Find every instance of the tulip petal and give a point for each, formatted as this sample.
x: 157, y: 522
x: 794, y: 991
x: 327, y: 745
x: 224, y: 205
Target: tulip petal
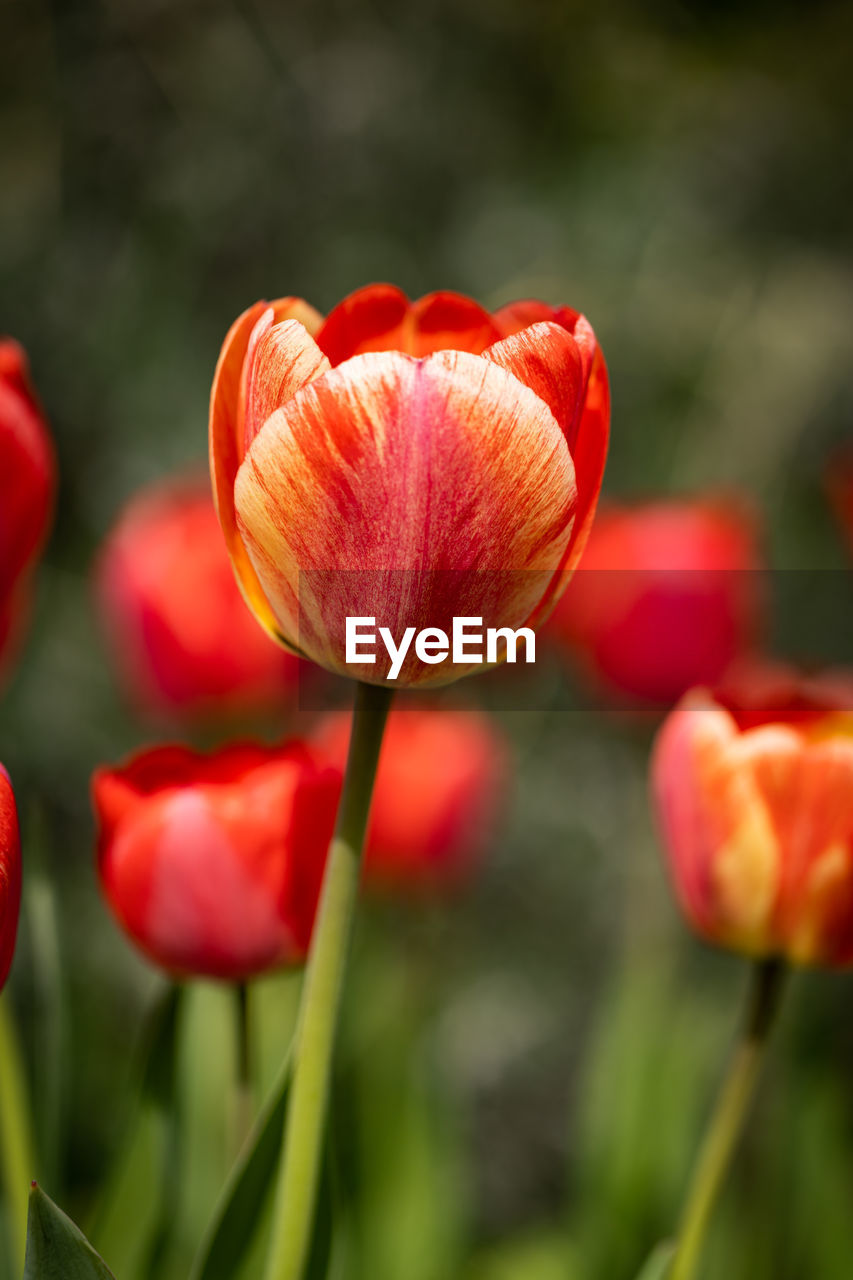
x: 449, y: 321
x: 545, y: 358
x: 390, y: 464
x: 227, y: 436
x: 27, y: 468
x: 10, y: 874
x: 723, y: 852
x: 282, y: 358
x: 381, y: 318
x: 371, y: 319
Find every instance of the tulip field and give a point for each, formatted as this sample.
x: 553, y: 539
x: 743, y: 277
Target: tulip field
x: 426, y: 642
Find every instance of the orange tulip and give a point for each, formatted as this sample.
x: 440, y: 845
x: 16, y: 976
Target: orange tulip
x: 10, y: 875
x: 437, y: 794
x: 409, y: 461
x: 753, y: 788
x: 182, y: 639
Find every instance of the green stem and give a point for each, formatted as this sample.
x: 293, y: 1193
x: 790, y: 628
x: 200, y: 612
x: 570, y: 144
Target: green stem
x: 321, y: 995
x: 16, y: 1150
x: 243, y: 1085
x: 728, y: 1117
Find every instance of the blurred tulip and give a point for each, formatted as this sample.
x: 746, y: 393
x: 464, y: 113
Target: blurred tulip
x: 753, y: 788
x: 438, y: 789
x: 27, y: 483
x: 409, y: 461
x: 182, y: 638
x: 10, y: 875
x: 213, y: 863
x: 667, y: 596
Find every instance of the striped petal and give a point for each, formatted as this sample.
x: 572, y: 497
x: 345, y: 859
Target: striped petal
x: 388, y: 470
x: 281, y: 358
x: 227, y: 434
x: 545, y: 358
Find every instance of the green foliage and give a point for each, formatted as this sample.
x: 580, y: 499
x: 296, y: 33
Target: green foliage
x: 56, y: 1249
x: 134, y: 1217
x: 240, y: 1222
x: 659, y: 1263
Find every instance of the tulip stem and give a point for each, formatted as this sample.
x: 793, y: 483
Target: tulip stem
x: 728, y: 1116
x: 16, y: 1149
x: 243, y: 1102
x: 321, y: 995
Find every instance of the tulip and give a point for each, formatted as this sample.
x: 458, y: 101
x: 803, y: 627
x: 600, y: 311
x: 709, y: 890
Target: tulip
x: 667, y: 597
x: 212, y: 864
x: 182, y: 639
x: 753, y: 788
x: 409, y: 461
x: 27, y: 482
x: 10, y: 875
x: 436, y: 798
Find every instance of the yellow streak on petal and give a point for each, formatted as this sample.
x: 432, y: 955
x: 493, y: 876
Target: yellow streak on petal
x: 826, y: 889
x: 745, y: 877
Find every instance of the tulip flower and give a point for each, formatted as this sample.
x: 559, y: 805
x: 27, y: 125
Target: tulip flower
x: 413, y: 462
x: 212, y: 864
x: 667, y: 597
x: 436, y: 798
x: 27, y: 482
x: 10, y: 875
x: 753, y: 788
x: 411, y: 465
x: 182, y: 639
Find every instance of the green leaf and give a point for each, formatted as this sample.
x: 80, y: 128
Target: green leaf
x: 235, y: 1242
x: 56, y: 1249
x: 247, y: 1196
x: 132, y: 1220
x: 658, y: 1265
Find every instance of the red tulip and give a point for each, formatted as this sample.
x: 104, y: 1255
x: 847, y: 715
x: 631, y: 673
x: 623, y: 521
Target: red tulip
x: 27, y: 481
x: 667, y: 597
x: 754, y: 795
x: 10, y: 875
x: 213, y: 863
x: 437, y: 795
x: 182, y: 638
x: 409, y: 461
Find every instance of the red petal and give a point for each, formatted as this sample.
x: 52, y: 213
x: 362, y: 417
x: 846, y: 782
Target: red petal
x: 27, y: 468
x: 10, y: 874
x: 449, y: 321
x: 545, y: 358
x: 381, y: 318
x: 371, y: 319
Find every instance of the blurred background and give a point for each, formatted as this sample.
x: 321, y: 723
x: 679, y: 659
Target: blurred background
x: 526, y: 1064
